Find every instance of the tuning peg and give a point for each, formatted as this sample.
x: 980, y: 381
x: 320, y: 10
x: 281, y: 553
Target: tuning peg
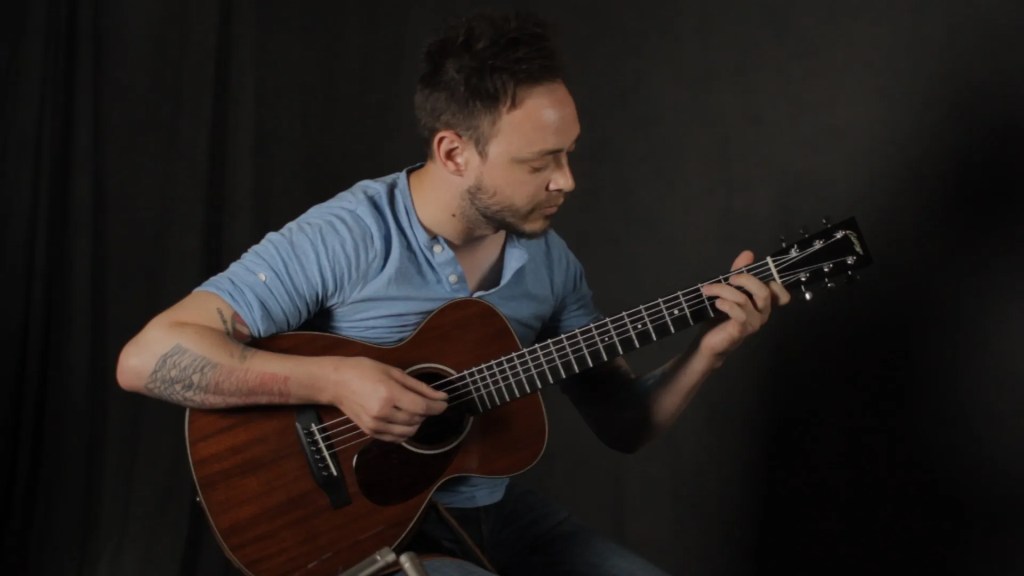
x: 803, y: 231
x: 829, y: 283
x: 826, y: 222
x: 782, y: 240
x: 806, y: 293
x: 851, y: 278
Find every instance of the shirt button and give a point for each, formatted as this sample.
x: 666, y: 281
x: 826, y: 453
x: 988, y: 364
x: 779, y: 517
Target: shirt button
x: 453, y: 278
x: 438, y: 248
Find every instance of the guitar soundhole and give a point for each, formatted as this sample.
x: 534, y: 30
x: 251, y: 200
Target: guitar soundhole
x: 441, y: 432
x: 390, y: 474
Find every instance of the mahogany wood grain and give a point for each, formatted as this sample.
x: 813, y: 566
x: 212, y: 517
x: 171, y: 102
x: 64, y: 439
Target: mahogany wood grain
x: 256, y: 486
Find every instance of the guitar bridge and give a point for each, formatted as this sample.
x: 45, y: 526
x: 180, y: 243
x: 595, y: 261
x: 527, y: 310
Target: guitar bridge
x: 322, y: 464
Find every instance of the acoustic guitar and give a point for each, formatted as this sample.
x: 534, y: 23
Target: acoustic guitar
x: 302, y: 490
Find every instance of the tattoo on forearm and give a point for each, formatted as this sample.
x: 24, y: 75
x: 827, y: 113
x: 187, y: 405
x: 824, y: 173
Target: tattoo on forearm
x: 238, y: 331
x: 190, y: 379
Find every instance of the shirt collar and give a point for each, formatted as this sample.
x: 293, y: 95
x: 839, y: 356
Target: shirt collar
x: 515, y: 252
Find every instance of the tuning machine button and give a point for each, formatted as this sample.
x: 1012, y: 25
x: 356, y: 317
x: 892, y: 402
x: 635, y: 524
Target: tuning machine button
x: 806, y: 293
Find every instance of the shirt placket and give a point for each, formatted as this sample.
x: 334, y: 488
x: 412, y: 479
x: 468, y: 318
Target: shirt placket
x: 448, y: 267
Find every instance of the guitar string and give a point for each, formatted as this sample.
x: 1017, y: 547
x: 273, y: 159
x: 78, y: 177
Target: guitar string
x: 332, y: 441
x: 547, y: 358
x: 365, y: 437
x: 561, y: 353
x: 569, y: 351
x: 612, y: 328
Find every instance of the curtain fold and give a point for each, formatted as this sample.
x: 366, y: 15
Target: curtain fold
x: 50, y: 244
x: 97, y: 484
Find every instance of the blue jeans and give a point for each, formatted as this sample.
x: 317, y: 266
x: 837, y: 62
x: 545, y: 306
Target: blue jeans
x: 523, y: 534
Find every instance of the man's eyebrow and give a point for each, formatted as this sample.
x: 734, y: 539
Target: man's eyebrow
x: 547, y: 152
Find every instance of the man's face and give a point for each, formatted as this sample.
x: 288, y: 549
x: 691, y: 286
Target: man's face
x: 525, y: 176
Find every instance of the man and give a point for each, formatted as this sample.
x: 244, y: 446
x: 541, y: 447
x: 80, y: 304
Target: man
x: 374, y: 261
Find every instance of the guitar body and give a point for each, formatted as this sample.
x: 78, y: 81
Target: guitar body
x: 257, y: 486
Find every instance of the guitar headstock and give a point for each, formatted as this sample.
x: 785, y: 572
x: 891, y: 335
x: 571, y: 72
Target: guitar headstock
x: 833, y: 253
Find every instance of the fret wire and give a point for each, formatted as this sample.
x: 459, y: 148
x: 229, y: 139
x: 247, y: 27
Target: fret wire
x: 572, y: 355
x: 583, y: 345
x: 668, y: 320
x: 483, y: 391
x: 593, y: 328
x: 629, y: 325
x: 520, y: 373
x: 534, y: 372
x: 685, y: 307
x: 476, y: 396
x: 615, y: 336
x: 557, y: 361
x: 706, y: 302
x: 494, y: 388
x: 544, y: 364
x: 650, y: 326
x: 511, y: 378
x: 501, y: 382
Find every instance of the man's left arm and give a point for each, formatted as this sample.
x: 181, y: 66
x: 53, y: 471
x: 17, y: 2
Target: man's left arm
x: 626, y: 412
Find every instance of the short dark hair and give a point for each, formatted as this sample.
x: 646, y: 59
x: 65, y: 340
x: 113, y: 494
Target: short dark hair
x: 472, y: 71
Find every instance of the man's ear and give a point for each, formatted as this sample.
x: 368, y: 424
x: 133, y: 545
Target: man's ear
x: 453, y: 152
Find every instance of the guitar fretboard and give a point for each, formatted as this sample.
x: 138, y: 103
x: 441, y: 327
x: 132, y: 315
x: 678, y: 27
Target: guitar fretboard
x: 551, y: 361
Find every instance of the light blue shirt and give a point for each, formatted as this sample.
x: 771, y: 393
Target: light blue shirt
x: 361, y: 265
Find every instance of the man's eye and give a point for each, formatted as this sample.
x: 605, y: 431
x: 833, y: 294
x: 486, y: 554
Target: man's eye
x: 534, y: 169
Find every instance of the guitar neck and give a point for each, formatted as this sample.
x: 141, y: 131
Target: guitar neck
x: 816, y: 258
x: 551, y: 361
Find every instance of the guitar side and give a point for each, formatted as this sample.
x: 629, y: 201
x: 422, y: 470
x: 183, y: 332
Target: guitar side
x: 256, y: 484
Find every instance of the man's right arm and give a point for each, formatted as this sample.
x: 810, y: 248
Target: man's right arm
x: 195, y: 354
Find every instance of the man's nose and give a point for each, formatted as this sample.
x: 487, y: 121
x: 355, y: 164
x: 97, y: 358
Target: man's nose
x: 562, y: 180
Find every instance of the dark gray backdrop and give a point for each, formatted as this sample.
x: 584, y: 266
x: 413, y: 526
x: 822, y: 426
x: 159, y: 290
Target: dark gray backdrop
x: 146, y: 145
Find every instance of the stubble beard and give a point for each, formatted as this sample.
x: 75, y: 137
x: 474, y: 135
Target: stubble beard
x: 483, y: 212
